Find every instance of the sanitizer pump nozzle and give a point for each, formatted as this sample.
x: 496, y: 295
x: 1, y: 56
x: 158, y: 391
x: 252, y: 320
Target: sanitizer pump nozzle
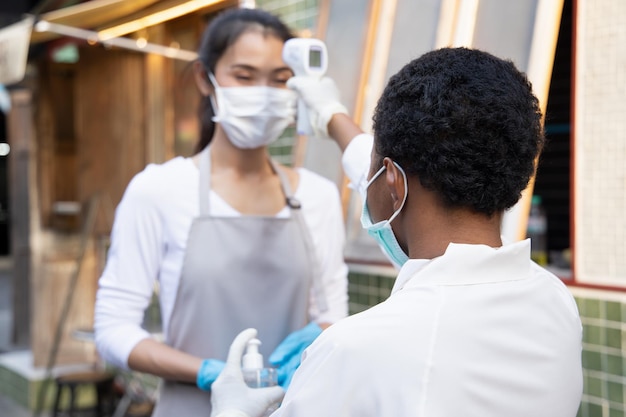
x: 255, y: 375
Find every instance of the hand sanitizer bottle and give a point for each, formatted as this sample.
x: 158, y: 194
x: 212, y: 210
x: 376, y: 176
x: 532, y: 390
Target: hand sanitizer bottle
x: 255, y: 375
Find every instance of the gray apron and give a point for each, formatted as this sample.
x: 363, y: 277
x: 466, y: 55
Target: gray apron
x: 238, y: 272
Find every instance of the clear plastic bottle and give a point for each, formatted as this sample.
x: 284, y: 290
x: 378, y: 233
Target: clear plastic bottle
x: 254, y: 373
x: 537, y: 232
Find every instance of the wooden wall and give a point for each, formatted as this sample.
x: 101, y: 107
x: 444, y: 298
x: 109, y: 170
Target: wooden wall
x: 98, y: 122
x: 110, y: 123
x: 91, y: 140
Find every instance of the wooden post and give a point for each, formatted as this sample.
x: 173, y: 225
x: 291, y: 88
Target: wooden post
x: 21, y: 182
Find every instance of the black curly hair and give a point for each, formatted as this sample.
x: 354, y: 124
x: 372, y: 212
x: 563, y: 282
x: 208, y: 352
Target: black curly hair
x: 464, y: 122
x: 221, y: 33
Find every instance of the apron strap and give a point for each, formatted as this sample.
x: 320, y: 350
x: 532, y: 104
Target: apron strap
x: 294, y: 204
x: 204, y: 166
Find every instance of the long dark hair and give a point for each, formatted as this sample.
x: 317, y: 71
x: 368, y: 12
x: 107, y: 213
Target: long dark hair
x: 221, y: 33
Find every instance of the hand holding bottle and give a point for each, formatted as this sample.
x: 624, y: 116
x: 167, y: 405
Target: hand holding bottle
x: 231, y: 397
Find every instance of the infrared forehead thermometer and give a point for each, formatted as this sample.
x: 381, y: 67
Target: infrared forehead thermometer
x: 307, y: 57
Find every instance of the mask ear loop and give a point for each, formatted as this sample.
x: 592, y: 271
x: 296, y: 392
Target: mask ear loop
x: 212, y: 79
x: 406, y: 193
x: 376, y: 175
x: 213, y: 82
x: 406, y: 187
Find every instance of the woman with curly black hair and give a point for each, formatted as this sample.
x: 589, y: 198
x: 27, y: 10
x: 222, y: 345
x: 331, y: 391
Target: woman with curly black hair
x: 473, y: 327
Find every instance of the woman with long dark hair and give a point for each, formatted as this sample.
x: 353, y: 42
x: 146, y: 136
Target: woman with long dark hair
x: 233, y: 238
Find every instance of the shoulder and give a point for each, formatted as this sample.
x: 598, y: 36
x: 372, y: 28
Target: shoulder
x: 355, y: 335
x: 315, y: 186
x: 312, y: 177
x: 155, y: 181
x: 362, y: 345
x: 558, y: 287
x: 161, y: 190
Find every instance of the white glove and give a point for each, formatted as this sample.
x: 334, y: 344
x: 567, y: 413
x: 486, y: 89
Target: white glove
x: 230, y: 396
x: 322, y: 100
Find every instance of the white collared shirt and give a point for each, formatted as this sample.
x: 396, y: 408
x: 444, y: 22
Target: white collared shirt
x: 476, y: 332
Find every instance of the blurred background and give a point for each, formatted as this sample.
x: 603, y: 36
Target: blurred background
x: 92, y: 91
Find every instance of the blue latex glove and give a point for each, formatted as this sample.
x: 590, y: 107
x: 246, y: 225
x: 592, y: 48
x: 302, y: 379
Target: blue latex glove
x: 208, y: 373
x: 286, y: 357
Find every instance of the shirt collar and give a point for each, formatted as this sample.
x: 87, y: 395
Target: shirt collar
x: 408, y: 270
x: 463, y: 264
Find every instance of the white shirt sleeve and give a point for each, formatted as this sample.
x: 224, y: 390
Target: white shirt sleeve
x: 328, y: 384
x: 356, y: 160
x: 127, y: 283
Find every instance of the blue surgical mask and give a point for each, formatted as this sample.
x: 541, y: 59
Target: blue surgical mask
x: 381, y: 231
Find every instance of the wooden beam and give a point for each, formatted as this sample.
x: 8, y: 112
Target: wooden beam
x: 89, y: 14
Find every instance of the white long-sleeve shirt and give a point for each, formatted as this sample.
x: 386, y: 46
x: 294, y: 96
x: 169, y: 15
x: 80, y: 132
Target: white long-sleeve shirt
x: 356, y: 160
x: 148, y: 243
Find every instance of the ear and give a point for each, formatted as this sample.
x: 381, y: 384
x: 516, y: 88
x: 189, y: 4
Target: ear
x: 395, y: 183
x: 201, y: 78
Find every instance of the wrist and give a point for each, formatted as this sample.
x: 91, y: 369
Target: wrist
x: 327, y: 114
x: 343, y: 130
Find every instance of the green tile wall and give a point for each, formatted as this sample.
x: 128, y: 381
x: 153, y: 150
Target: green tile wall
x: 604, y: 357
x: 14, y: 386
x: 366, y: 290
x: 26, y: 392
x: 297, y: 14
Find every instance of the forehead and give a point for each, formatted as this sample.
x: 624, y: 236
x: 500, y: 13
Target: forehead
x: 255, y: 48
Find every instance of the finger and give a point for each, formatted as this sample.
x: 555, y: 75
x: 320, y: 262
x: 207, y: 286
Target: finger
x: 300, y: 84
x: 288, y: 379
x: 281, y: 376
x: 238, y: 346
x: 285, y: 373
x: 281, y: 355
x: 294, y: 83
x: 286, y: 349
x: 270, y: 395
x: 276, y: 357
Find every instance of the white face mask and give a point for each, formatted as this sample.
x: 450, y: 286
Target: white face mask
x: 381, y: 231
x: 253, y: 116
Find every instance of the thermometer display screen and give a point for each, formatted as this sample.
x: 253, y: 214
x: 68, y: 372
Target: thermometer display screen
x: 315, y: 58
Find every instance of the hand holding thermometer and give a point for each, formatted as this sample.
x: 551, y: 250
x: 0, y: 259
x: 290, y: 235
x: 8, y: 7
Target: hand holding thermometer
x: 306, y: 57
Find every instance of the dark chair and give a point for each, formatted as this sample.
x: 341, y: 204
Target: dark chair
x: 101, y: 381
